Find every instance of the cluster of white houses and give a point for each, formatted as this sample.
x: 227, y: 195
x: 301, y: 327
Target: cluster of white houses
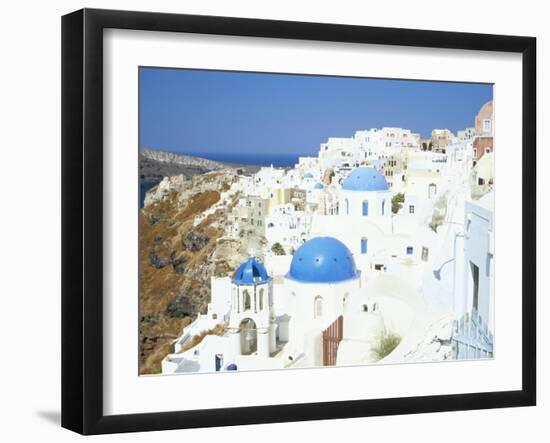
x: 352, y: 262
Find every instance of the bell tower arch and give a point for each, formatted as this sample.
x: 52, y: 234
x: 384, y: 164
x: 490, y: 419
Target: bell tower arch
x: 251, y: 320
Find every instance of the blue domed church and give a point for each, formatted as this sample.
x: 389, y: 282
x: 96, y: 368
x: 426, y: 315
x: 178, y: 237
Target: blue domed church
x: 364, y: 221
x: 321, y: 280
x: 313, y: 295
x: 365, y: 193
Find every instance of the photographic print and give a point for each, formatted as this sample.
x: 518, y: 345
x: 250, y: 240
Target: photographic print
x: 300, y: 221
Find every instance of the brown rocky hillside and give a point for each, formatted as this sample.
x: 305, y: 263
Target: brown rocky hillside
x: 177, y: 259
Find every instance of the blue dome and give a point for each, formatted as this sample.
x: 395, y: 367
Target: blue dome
x: 365, y: 179
x: 319, y: 185
x: 231, y: 367
x: 322, y: 260
x: 308, y: 175
x: 251, y: 272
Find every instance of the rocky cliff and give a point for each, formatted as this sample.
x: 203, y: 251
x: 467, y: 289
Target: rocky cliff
x: 178, y: 256
x: 180, y: 159
x: 155, y: 165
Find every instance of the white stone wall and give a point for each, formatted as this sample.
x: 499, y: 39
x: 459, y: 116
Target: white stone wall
x: 304, y: 319
x: 479, y: 251
x: 379, y: 203
x: 220, y: 303
x: 287, y: 226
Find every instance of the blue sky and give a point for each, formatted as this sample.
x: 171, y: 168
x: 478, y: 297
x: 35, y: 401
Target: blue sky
x: 214, y: 111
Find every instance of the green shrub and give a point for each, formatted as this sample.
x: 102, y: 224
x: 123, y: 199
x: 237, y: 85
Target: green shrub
x: 397, y: 202
x: 278, y: 249
x: 387, y: 342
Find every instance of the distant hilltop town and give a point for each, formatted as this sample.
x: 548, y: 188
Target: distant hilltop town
x: 378, y: 249
x: 154, y: 165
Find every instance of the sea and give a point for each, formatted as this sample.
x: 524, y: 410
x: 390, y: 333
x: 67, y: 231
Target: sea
x: 256, y: 159
x: 143, y: 188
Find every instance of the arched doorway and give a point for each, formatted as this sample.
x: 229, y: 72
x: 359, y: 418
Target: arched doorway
x: 249, y: 337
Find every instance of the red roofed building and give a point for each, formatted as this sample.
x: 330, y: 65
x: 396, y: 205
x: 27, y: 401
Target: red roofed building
x: 484, y: 130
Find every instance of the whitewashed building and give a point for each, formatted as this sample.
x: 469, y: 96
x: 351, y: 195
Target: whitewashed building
x: 287, y: 226
x: 353, y: 270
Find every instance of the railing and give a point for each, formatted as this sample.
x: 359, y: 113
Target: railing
x: 471, y: 338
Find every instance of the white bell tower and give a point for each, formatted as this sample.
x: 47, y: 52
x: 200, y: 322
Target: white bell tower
x: 251, y: 320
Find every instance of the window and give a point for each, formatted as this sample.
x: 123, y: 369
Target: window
x: 365, y: 208
x: 346, y: 206
x: 262, y: 299
x: 318, y: 307
x: 410, y: 250
x: 363, y: 245
x: 383, y: 206
x: 246, y: 300
x: 425, y: 253
x: 487, y: 125
x: 480, y: 181
x: 475, y: 284
x: 432, y: 190
x: 411, y: 209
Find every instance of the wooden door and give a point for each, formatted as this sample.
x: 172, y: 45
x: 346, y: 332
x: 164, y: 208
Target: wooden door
x: 332, y: 336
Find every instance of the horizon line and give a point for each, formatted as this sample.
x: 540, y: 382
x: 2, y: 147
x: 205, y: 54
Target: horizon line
x: 193, y: 153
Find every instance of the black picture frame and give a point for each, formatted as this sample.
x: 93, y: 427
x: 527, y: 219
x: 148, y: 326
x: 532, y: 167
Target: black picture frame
x: 82, y: 218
